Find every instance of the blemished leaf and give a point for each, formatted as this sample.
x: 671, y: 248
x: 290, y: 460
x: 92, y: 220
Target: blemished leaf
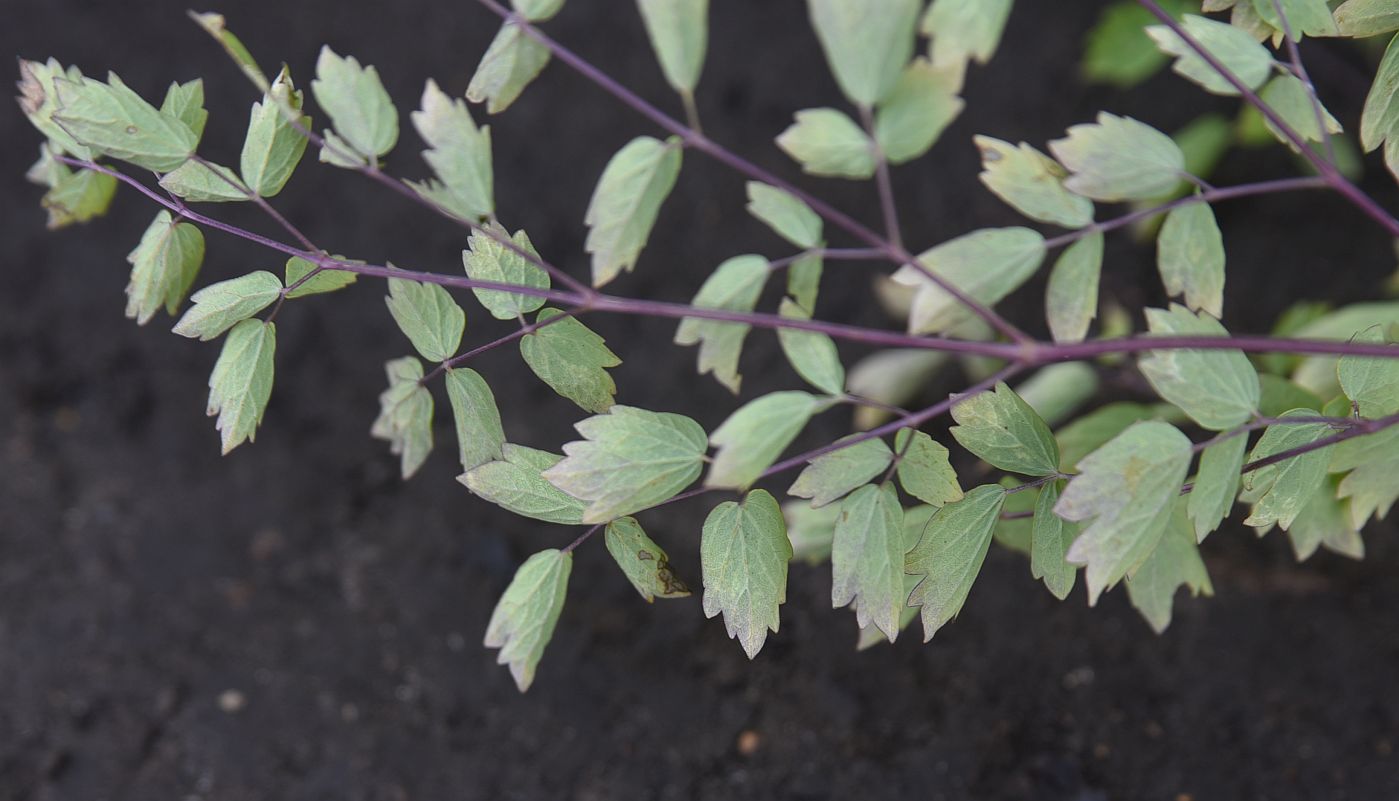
x: 516, y: 483
x: 273, y: 146
x: 1119, y: 158
x: 459, y: 154
x: 1118, y: 50
x: 679, y: 32
x: 111, y: 119
x: 571, y: 359
x: 924, y: 469
x: 1127, y: 489
x: 204, y: 182
x: 812, y: 354
x: 1190, y: 257
x: 1279, y: 491
x: 752, y: 438
x: 1056, y: 391
x: 1216, y: 484
x: 1217, y: 388
x: 1234, y: 48
x: 867, y: 558
x: 1288, y: 96
x: 1324, y: 523
x: 213, y: 24
x: 804, y: 279
x: 986, y: 265
x: 1092, y: 431
x: 643, y: 562
x: 185, y: 102
x: 358, y: 105
x: 924, y: 102
x: 318, y: 284
x: 733, y: 286
x: 1174, y: 564
x: 1003, y: 430
x: 831, y: 476
x: 629, y: 460
x: 867, y: 43
x: 163, y: 266
x: 1367, y: 17
x: 963, y: 30
x: 537, y: 10
x: 811, y: 531
x: 1304, y: 17
x: 509, y: 65
x: 1071, y: 298
x: 428, y: 316
x: 784, y: 213
x: 480, y: 438
x: 744, y: 553
x: 826, y: 142
x: 1050, y: 538
x: 626, y: 201
x: 38, y: 99
x: 525, y: 617
x: 241, y: 382
x: 1031, y: 182
x: 489, y: 260
x: 1372, y: 384
x: 405, y: 415
x: 218, y: 307
x: 950, y: 553
x: 893, y: 377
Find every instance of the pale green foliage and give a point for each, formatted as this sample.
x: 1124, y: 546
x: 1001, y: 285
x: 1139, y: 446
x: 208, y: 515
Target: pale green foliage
x: 273, y: 146
x: 428, y: 316
x: 110, y: 119
x: 322, y: 282
x: 163, y: 266
x: 812, y: 354
x: 571, y: 359
x: 1217, y: 388
x: 204, y: 182
x: 828, y: 143
x: 1119, y: 158
x: 1367, y: 17
x: 643, y: 562
x: 1031, y: 182
x: 488, y: 259
x: 358, y: 105
x: 804, y: 279
x: 516, y: 483
x: 924, y: 102
x: 241, y: 382
x: 733, y: 286
x: 405, y: 415
x: 510, y: 63
x: 784, y: 213
x: 218, y: 307
x: 1372, y: 384
x: 1002, y: 429
x: 915, y: 520
x: 752, y: 438
x: 626, y: 201
x: 629, y: 460
x: 213, y: 24
x: 537, y: 10
x: 1127, y: 489
x: 1175, y: 563
x: 459, y: 154
x: 963, y: 30
x: 1092, y: 431
x: 867, y: 43
x: 525, y: 617
x: 185, y: 102
x: 830, y: 476
x: 1118, y: 50
x: 73, y: 197
x: 1056, y: 391
x: 679, y: 31
x: 1190, y: 256
x: 1239, y: 52
x: 1050, y: 538
x: 986, y: 265
x: 38, y: 99
x: 867, y: 558
x: 1325, y: 523
x: 1288, y: 96
x: 1371, y: 489
x: 480, y: 438
x: 1017, y: 533
x: 924, y: 469
x: 1216, y: 484
x: 890, y: 376
x: 1279, y: 491
x: 744, y: 553
x: 950, y: 553
x: 810, y: 531
x: 1304, y: 17
x: 1071, y: 297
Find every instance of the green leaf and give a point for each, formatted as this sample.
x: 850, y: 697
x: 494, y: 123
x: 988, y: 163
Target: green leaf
x: 111, y: 119
x: 1190, y: 256
x: 1380, y: 119
x: 480, y: 438
x: 1309, y: 17
x: 1056, y: 391
x: 1118, y: 158
x: 489, y: 260
x: 626, y: 201
x: 867, y: 558
x: 1217, y: 388
x: 963, y: 30
x: 915, y: 520
x: 828, y: 143
x: 163, y: 266
x: 744, y: 553
x: 1372, y: 489
x: 516, y: 483
x: 1288, y: 96
x: 1127, y: 489
x: 1118, y: 50
x: 428, y: 316
x: 924, y: 470
x: 218, y: 307
x: 924, y: 102
x: 1016, y: 534
x: 1092, y: 431
x: 537, y: 10
x: 1050, y: 538
x: 459, y: 154
x: 204, y: 182
x: 185, y: 102
x: 1071, y: 298
x: 571, y: 359
x: 643, y: 562
x: 213, y: 24
x: 987, y: 265
x: 784, y: 213
x: 241, y: 382
x: 1234, y: 48
x: 324, y: 281
x: 950, y: 554
x: 1279, y: 491
x: 733, y: 286
x: 804, y: 279
x: 405, y: 415
x: 812, y: 354
x: 1323, y: 522
x: 510, y: 63
x: 892, y: 377
x: 629, y: 460
x: 1279, y: 395
x: 1175, y: 563
x: 752, y: 438
x: 337, y: 152
x: 831, y: 476
x: 866, y: 43
x: 358, y: 105
x: 811, y: 531
x: 1367, y: 17
x: 1216, y: 484
x: 273, y: 147
x: 1031, y: 182
x: 679, y: 32
x: 76, y: 197
x: 1372, y: 384
x: 1002, y: 429
x: 525, y: 617
x: 38, y: 99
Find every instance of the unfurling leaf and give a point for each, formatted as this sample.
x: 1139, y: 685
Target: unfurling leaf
x: 784, y: 213
x: 744, y: 553
x: 405, y: 415
x: 679, y: 32
x: 1239, y: 52
x: 163, y: 266
x: 812, y: 354
x: 752, y: 438
x: 110, y: 119
x: 516, y: 483
x: 964, y: 30
x: 509, y: 64
x: 525, y: 617
x: 324, y: 281
x: 733, y: 286
x: 626, y: 201
x: 241, y: 382
x: 204, y: 182
x: 867, y: 43
x: 1175, y: 563
x: 1118, y: 158
x: 924, y: 470
x: 571, y: 359
x: 1216, y: 484
x: 1190, y: 256
x: 1217, y: 388
x: 950, y: 554
x: 358, y: 105
x: 218, y: 307
x: 273, y: 146
x: 1050, y: 538
x: 1279, y: 491
x: 643, y: 562
x: 1031, y: 182
x: 987, y: 265
x: 428, y: 316
x: 867, y: 558
x: 1071, y: 299
x: 828, y: 143
x: 1002, y: 429
x: 459, y: 154
x: 480, y: 438
x: 829, y: 477
x: 924, y: 102
x: 490, y: 260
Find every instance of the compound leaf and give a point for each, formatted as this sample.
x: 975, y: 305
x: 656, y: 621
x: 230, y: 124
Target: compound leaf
x: 733, y: 286
x: 924, y: 469
x: 950, y: 553
x: 1119, y: 158
x: 241, y: 382
x: 752, y: 438
x: 1219, y: 389
x: 428, y: 316
x: 405, y: 415
x: 1002, y: 429
x: 358, y: 105
x: 571, y: 359
x: 744, y: 553
x: 626, y: 201
x: 459, y: 154
x: 643, y: 562
x: 831, y: 476
x: 867, y: 558
x: 480, y: 438
x: 218, y: 307
x: 516, y: 483
x: 163, y: 266
x: 489, y: 260
x: 525, y: 617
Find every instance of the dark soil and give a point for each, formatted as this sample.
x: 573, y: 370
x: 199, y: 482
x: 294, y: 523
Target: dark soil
x: 293, y: 622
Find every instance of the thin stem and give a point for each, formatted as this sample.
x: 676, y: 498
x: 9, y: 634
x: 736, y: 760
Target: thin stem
x: 260, y: 202
x: 1265, y: 422
x: 582, y: 538
x: 829, y: 254
x: 1300, y: 70
x: 1359, y: 428
x: 883, y: 181
x: 687, y: 98
x: 524, y: 331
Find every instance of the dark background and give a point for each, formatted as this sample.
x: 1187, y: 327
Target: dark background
x: 294, y: 622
